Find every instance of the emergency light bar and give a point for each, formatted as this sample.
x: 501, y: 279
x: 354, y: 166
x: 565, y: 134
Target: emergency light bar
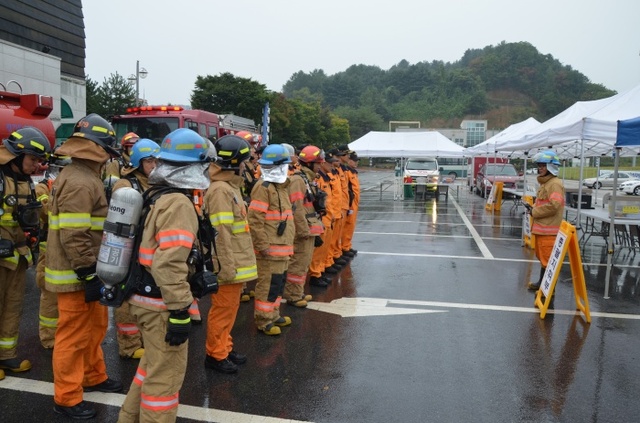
x: 154, y: 108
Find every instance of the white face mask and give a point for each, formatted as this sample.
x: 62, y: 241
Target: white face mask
x: 276, y: 174
x: 187, y: 176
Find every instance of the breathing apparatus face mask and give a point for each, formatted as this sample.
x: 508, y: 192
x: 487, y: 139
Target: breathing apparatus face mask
x: 28, y: 215
x: 276, y: 174
x: 185, y: 176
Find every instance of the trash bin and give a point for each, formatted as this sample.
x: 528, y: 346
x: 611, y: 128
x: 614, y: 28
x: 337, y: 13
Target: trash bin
x: 408, y: 191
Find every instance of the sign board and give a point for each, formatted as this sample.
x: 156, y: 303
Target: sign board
x: 527, y: 237
x: 494, y: 200
x: 566, y: 241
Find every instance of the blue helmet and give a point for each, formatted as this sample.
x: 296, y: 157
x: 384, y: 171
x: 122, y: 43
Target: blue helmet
x: 143, y: 149
x: 546, y: 157
x: 184, y: 146
x: 274, y: 154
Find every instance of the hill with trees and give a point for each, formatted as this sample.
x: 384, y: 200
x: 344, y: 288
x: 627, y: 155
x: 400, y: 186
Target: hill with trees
x: 504, y: 84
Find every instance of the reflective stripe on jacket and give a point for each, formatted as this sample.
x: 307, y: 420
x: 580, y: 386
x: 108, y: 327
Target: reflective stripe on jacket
x: 77, y: 210
x: 228, y: 215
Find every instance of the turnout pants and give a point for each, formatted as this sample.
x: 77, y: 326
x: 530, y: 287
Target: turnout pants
x: 269, y: 288
x: 221, y: 318
x: 544, y: 248
x: 319, y: 256
x: 77, y: 355
x: 336, y: 241
x: 298, y: 267
x: 153, y: 395
x: 128, y: 334
x: 348, y: 229
x: 48, y: 314
x: 12, y: 286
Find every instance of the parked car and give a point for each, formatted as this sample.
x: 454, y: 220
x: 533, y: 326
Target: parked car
x: 607, y: 180
x: 630, y: 187
x: 498, y: 172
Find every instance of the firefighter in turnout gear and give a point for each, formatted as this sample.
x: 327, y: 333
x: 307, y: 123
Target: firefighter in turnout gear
x: 135, y: 175
x: 547, y: 210
x: 271, y: 222
x: 312, y: 159
x: 308, y: 227
x: 234, y: 250
x: 161, y: 304
x: 48, y: 313
x: 77, y: 210
x: 20, y: 156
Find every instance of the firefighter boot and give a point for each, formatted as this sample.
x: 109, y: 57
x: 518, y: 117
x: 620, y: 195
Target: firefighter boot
x: 534, y: 286
x: 1, y: 374
x: 15, y: 365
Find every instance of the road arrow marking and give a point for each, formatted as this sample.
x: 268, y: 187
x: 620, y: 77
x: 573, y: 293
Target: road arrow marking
x: 357, y: 307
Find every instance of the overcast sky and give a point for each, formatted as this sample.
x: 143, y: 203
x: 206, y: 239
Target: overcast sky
x: 269, y: 40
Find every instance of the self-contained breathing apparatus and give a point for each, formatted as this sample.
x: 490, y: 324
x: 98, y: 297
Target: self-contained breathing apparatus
x: 137, y: 279
x: 27, y: 215
x: 317, y: 198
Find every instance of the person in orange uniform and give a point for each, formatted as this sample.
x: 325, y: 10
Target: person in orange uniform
x: 349, y: 163
x: 271, y: 222
x: 547, y: 210
x: 234, y: 250
x: 20, y: 156
x: 161, y: 304
x: 48, y: 313
x: 337, y: 199
x: 78, y: 207
x: 135, y: 174
x: 339, y: 173
x: 313, y: 159
x: 308, y: 227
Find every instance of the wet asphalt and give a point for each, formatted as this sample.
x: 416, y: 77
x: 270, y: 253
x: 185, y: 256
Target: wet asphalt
x: 431, y: 322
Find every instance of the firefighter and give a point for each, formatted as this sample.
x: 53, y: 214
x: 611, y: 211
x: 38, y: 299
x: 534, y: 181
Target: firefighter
x: 234, y: 250
x: 337, y: 201
x: 308, y: 227
x: 161, y: 305
x: 250, y: 180
x: 547, y: 210
x: 77, y: 210
x: 313, y: 159
x: 271, y: 223
x: 20, y: 156
x: 48, y: 313
x: 339, y: 172
x: 349, y: 162
x: 135, y: 175
x: 115, y: 166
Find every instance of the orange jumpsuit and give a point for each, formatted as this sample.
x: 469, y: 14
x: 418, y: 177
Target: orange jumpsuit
x: 352, y: 214
x: 320, y: 254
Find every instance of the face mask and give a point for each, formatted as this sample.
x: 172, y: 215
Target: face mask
x: 187, y: 176
x: 276, y: 174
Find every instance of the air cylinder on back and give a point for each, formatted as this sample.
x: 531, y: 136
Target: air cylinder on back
x: 118, y: 236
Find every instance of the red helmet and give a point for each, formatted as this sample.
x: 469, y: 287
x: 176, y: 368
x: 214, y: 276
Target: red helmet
x: 311, y: 154
x: 246, y: 135
x: 129, y: 139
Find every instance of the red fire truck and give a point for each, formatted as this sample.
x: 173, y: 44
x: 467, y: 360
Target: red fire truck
x: 155, y: 122
x: 20, y: 110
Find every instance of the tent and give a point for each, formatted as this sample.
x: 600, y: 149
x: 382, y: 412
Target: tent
x: 406, y: 144
x: 511, y: 132
x: 627, y: 135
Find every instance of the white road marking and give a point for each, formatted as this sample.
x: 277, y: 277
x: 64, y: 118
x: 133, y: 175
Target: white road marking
x: 476, y: 236
x: 435, y: 235
x: 185, y: 411
x: 364, y: 307
x: 359, y: 307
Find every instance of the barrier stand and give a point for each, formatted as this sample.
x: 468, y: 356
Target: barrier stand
x: 494, y: 200
x: 528, y: 239
x: 566, y: 240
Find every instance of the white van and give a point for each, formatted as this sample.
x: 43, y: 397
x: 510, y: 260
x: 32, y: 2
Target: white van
x: 422, y: 170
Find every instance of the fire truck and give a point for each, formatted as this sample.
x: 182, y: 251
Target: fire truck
x: 155, y: 122
x: 20, y: 110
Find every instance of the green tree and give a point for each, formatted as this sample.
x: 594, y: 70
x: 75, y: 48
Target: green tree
x: 113, y: 97
x: 92, y: 93
x: 228, y: 94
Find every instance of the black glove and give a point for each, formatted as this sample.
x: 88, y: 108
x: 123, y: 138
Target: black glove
x: 528, y: 207
x: 318, y: 242
x: 93, y: 285
x: 178, y: 327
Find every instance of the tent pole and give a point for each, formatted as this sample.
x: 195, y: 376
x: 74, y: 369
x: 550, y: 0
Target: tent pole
x: 612, y: 218
x: 579, y: 205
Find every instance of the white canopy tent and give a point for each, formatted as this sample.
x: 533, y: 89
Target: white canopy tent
x: 405, y: 145
x: 511, y: 132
